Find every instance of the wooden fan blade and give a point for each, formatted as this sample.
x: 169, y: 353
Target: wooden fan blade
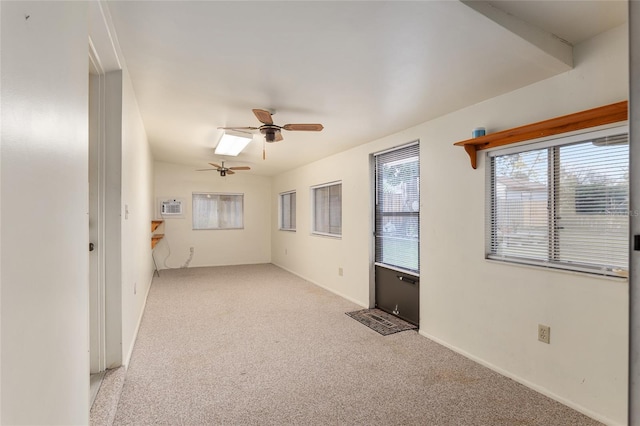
x: 238, y: 128
x: 263, y: 116
x: 230, y: 172
x: 240, y: 168
x: 304, y: 127
x: 206, y: 170
x: 278, y: 137
x: 217, y: 166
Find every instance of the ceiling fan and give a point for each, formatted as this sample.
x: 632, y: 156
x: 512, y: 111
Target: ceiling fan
x: 224, y: 170
x: 272, y: 132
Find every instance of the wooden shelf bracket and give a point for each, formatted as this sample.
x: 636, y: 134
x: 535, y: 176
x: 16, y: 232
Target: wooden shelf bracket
x: 472, y: 150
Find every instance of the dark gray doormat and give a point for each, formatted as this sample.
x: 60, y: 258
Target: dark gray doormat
x: 381, y: 321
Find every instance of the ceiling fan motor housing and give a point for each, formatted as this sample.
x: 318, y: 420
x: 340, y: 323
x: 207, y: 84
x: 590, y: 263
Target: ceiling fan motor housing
x: 269, y: 132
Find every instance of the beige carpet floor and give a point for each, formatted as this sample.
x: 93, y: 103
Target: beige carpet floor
x: 103, y: 410
x: 256, y: 345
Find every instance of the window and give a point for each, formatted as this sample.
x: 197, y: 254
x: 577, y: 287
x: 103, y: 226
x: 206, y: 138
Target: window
x: 218, y: 211
x: 562, y: 203
x: 327, y: 209
x: 288, y: 211
x: 397, y: 235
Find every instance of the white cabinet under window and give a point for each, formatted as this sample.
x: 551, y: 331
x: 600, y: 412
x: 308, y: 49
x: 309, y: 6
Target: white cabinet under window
x: 218, y: 211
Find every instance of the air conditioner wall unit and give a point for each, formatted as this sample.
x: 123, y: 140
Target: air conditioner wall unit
x: 172, y: 207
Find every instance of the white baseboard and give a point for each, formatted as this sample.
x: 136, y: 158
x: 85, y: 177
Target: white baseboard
x: 215, y: 265
x: 337, y: 293
x: 524, y: 382
x: 125, y: 362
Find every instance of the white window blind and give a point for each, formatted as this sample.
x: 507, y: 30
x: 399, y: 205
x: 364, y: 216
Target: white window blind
x: 218, y: 211
x: 327, y: 209
x: 288, y: 211
x: 397, y: 221
x: 563, y: 203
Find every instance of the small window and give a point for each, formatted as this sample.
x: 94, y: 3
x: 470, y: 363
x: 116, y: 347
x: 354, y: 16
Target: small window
x: 288, y: 211
x: 562, y: 203
x: 218, y: 211
x: 327, y: 209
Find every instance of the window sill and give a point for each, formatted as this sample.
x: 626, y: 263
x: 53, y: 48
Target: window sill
x: 332, y: 236
x: 286, y: 230
x: 217, y: 229
x: 540, y: 268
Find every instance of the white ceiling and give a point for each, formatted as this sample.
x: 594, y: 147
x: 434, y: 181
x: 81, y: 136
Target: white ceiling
x: 364, y: 69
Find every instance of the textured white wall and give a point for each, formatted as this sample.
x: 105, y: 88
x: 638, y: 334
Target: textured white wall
x: 213, y: 247
x: 487, y: 310
x: 318, y: 258
x: 45, y: 293
x: 137, y: 196
x: 44, y: 312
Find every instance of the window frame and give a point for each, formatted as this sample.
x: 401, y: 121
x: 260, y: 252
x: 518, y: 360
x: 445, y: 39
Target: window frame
x: 217, y: 194
x: 281, y: 211
x: 552, y: 145
x: 313, y: 209
x: 402, y: 157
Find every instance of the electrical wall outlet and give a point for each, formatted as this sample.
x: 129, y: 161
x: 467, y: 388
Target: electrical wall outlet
x: 340, y: 272
x: 285, y: 251
x: 544, y: 333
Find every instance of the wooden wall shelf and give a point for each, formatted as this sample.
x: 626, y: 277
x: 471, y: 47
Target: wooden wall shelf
x: 607, y: 114
x: 155, y: 238
x: 155, y: 224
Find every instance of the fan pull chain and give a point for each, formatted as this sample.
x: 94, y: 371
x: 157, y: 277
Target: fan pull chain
x: 264, y: 151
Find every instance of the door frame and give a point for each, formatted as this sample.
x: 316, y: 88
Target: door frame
x: 372, y: 218
x: 97, y: 311
x: 634, y: 228
x: 106, y: 54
